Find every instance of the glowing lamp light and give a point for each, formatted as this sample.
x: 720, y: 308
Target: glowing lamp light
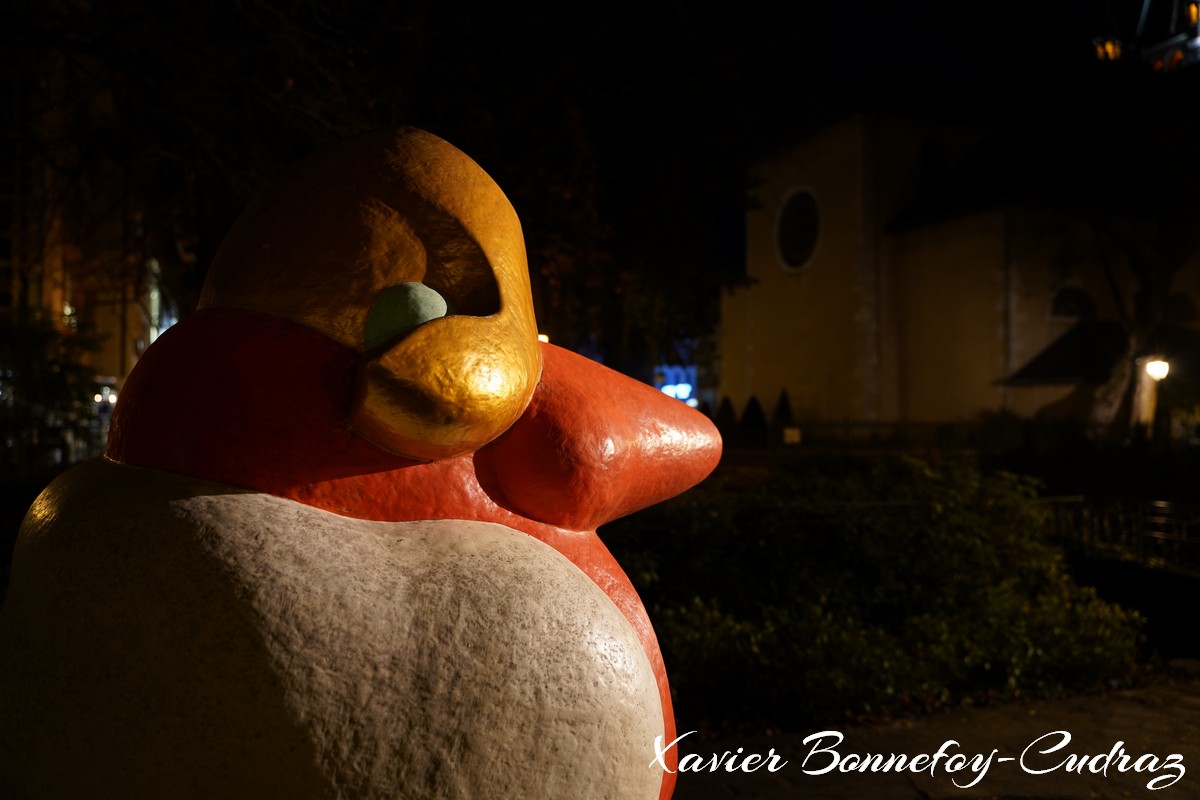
x: 542, y: 337
x: 1107, y: 49
x: 1157, y: 369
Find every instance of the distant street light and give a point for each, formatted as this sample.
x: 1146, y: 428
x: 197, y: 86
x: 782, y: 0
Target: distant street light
x: 1145, y: 395
x: 1157, y: 369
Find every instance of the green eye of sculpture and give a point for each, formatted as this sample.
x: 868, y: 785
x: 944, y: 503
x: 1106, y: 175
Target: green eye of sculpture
x: 400, y: 308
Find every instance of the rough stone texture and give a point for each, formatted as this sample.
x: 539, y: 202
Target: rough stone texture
x: 168, y: 637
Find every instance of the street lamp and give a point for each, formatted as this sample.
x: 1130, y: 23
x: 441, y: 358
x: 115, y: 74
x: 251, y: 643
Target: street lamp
x: 1145, y: 395
x: 1157, y: 369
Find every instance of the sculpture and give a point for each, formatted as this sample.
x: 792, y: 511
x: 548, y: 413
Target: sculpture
x: 343, y: 539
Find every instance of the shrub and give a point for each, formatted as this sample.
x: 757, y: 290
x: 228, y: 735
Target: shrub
x: 848, y: 589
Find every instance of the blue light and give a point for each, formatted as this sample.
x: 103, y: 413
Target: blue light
x: 680, y: 391
x: 678, y: 381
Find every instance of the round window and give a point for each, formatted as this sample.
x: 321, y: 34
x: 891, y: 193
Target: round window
x: 797, y: 233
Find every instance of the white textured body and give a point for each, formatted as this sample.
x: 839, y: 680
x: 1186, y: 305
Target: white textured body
x: 168, y: 637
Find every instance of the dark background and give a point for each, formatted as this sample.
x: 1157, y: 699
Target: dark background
x: 621, y: 131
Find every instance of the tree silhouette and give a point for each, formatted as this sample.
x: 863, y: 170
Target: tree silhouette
x: 153, y: 123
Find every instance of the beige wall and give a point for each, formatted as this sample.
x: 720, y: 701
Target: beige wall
x: 947, y: 304
x: 796, y: 329
x: 915, y: 325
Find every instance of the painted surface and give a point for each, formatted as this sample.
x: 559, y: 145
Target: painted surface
x: 365, y: 360
x: 592, y: 446
x: 209, y: 642
x: 351, y: 222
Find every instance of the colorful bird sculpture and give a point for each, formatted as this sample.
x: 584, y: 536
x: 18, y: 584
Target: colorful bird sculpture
x: 342, y: 543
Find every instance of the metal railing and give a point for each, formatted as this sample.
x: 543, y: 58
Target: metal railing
x: 892, y: 435
x: 1157, y: 534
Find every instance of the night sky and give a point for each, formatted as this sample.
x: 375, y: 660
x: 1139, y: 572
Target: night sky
x: 685, y: 98
x: 662, y: 88
x: 651, y: 111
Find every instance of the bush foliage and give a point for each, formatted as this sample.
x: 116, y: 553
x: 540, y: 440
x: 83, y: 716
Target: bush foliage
x: 850, y: 590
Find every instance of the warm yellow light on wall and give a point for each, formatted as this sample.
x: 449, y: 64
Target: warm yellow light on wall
x: 1193, y: 13
x: 1157, y: 369
x: 1107, y: 49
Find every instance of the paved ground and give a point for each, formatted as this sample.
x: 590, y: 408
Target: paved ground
x: 1147, y: 725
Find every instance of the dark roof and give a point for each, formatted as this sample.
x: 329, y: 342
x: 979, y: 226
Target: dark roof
x: 1134, y: 171
x: 1087, y: 352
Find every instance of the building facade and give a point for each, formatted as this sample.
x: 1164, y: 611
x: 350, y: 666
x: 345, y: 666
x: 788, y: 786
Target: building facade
x: 80, y: 298
x: 901, y: 271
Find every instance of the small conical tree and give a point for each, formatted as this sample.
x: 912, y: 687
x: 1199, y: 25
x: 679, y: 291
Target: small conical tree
x: 752, y: 427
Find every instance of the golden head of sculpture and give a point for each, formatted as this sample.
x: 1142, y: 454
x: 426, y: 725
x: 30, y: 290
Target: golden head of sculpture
x: 399, y: 246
